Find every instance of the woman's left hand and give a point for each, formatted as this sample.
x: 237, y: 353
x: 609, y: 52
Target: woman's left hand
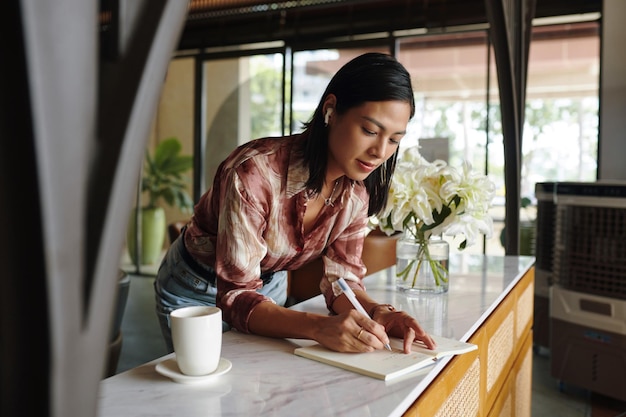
x: 402, y: 325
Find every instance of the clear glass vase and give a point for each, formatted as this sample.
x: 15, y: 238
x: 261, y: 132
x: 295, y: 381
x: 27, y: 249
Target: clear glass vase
x: 422, y: 265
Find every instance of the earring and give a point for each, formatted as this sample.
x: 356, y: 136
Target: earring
x: 329, y: 111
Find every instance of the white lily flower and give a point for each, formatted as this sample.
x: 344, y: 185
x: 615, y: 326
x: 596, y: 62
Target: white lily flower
x: 438, y: 199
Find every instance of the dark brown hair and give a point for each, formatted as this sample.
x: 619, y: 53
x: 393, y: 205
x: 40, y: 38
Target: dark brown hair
x: 368, y: 77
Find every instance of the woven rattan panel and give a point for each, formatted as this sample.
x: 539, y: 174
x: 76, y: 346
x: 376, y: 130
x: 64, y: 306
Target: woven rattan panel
x: 463, y: 400
x: 499, y: 350
x: 507, y: 408
x: 590, y: 250
x: 524, y: 312
x: 523, y: 385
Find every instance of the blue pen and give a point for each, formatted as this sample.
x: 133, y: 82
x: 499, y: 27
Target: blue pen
x: 350, y: 294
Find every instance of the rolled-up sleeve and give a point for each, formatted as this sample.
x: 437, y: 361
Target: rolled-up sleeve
x: 239, y: 250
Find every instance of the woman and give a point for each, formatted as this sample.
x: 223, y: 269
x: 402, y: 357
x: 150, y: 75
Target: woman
x: 278, y: 203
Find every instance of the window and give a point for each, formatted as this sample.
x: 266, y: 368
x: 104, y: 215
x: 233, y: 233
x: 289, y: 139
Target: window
x: 458, y: 113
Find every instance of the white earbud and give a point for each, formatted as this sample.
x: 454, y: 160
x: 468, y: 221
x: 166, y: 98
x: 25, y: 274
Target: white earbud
x: 329, y: 111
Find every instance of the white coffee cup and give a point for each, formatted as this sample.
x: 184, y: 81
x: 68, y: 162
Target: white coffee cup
x: 197, y: 339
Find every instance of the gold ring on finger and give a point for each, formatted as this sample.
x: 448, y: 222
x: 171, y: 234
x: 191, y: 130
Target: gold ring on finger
x: 358, y: 336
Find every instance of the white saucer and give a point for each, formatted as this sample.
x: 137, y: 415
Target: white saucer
x: 169, y: 368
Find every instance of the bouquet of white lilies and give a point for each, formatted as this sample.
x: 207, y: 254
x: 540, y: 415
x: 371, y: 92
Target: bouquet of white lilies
x: 435, y: 198
x: 427, y: 199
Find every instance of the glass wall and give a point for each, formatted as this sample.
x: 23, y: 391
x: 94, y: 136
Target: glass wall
x: 562, y: 105
x: 457, y: 104
x: 312, y: 71
x: 458, y: 114
x: 243, y: 99
x: 451, y: 74
x: 248, y: 95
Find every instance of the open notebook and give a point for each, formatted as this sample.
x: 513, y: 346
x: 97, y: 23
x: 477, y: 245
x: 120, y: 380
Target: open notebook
x: 383, y: 364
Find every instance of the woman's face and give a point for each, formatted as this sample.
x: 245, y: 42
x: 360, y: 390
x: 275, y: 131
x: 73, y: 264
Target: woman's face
x: 364, y: 137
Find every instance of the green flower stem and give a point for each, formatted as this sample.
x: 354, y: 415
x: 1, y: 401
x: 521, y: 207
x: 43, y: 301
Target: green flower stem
x: 438, y: 270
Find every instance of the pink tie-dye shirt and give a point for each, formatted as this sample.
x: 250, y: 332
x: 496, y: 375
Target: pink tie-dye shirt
x: 251, y: 222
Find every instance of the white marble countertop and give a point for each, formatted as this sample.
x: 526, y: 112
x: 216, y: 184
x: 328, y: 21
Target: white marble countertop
x: 268, y: 379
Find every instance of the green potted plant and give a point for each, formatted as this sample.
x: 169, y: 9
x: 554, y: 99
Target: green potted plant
x: 526, y: 230
x: 162, y: 180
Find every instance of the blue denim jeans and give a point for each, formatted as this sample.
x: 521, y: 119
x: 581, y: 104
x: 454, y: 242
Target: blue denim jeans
x: 181, y: 282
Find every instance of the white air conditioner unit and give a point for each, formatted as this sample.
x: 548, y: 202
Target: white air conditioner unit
x: 587, y: 285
